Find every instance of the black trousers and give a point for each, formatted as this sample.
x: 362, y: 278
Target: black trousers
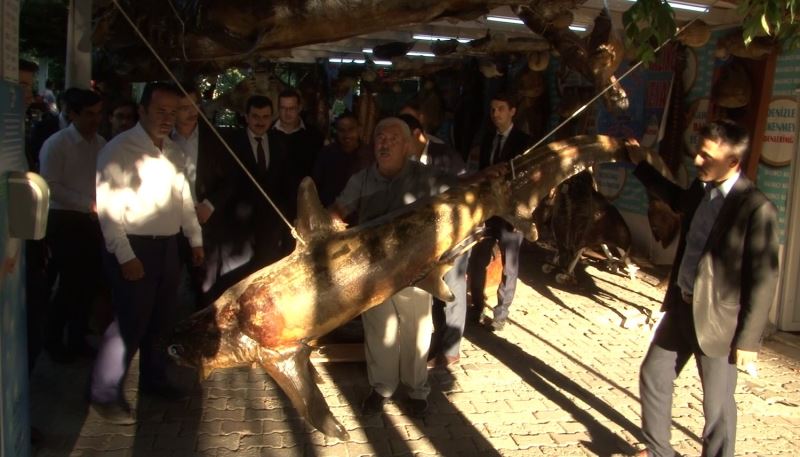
x: 144, y: 312
x: 75, y: 243
x: 674, y: 343
x: 510, y: 242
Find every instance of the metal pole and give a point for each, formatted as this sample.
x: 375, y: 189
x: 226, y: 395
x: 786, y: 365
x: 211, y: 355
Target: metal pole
x: 78, y: 68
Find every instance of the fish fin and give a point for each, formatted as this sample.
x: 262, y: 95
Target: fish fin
x: 434, y: 283
x: 312, y: 218
x: 291, y: 368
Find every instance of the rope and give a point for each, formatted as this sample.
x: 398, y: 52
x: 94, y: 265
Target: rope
x: 210, y: 124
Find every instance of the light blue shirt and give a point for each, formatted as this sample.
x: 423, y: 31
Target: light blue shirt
x: 699, y: 230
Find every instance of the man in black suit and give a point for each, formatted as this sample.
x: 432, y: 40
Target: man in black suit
x: 299, y: 144
x: 721, y: 288
x: 259, y: 226
x: 503, y: 144
x: 208, y: 170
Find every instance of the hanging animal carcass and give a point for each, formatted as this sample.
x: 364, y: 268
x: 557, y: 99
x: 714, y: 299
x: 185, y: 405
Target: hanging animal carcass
x: 577, y: 217
x: 336, y: 273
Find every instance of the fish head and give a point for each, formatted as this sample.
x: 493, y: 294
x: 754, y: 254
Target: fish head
x: 211, y: 339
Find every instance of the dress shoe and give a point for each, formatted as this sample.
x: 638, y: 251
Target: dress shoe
x: 417, y: 406
x: 443, y: 361
x: 373, y: 404
x: 494, y: 325
x: 118, y: 413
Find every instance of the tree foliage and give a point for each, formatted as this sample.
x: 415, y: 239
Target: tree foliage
x: 43, y: 28
x: 649, y: 23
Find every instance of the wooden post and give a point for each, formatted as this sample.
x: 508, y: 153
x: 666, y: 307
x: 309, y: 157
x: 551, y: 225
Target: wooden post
x: 78, y: 67
x: 762, y: 73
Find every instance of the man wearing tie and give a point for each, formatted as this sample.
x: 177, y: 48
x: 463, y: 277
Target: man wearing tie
x: 261, y: 230
x: 722, y: 286
x: 501, y: 145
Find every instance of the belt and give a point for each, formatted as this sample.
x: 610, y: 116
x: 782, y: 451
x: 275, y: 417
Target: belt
x: 151, y: 237
x: 687, y: 298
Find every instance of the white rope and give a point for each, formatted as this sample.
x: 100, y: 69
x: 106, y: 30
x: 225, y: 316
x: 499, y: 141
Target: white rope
x: 210, y: 124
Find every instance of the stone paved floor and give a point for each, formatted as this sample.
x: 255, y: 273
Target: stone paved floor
x: 561, y: 380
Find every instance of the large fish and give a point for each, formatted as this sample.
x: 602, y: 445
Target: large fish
x: 338, y: 273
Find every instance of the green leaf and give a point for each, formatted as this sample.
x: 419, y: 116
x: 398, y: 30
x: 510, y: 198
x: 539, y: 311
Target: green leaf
x: 765, y: 23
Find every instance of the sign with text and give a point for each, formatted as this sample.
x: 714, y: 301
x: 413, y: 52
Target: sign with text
x: 781, y: 130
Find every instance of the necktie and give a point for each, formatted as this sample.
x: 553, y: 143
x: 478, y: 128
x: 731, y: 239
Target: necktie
x: 699, y: 231
x: 496, y: 151
x: 261, y: 156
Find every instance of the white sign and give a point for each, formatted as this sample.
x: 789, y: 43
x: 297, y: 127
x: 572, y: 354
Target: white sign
x: 780, y: 132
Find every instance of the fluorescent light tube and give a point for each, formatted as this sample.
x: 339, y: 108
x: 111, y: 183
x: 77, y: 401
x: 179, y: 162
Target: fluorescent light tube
x: 512, y: 20
x: 383, y: 63
x: 504, y: 19
x: 696, y: 7
x: 439, y: 38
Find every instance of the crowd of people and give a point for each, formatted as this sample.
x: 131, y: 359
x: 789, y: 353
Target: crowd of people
x: 161, y: 197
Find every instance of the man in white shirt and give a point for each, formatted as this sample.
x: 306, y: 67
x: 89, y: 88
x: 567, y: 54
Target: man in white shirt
x: 67, y: 162
x: 143, y: 202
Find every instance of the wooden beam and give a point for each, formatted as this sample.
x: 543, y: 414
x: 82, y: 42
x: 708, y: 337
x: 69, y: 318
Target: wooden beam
x: 762, y: 73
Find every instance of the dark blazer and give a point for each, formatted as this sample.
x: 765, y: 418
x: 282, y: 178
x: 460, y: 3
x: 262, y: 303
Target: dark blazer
x: 300, y: 150
x: 214, y: 181
x: 738, y: 269
x: 516, y: 143
x: 254, y: 216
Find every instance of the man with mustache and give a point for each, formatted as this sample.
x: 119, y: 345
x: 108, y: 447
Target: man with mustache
x: 143, y: 203
x: 258, y: 233
x: 397, y: 333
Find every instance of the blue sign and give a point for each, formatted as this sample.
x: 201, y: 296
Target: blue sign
x: 14, y: 409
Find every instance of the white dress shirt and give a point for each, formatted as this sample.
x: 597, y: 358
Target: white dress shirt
x: 67, y: 162
x: 142, y: 190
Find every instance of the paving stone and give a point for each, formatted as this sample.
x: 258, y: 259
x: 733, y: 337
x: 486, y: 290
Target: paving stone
x: 564, y: 369
x: 230, y: 442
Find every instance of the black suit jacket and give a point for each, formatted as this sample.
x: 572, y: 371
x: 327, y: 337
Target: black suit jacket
x: 738, y: 269
x: 254, y: 216
x: 516, y: 143
x: 300, y: 150
x: 214, y: 181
